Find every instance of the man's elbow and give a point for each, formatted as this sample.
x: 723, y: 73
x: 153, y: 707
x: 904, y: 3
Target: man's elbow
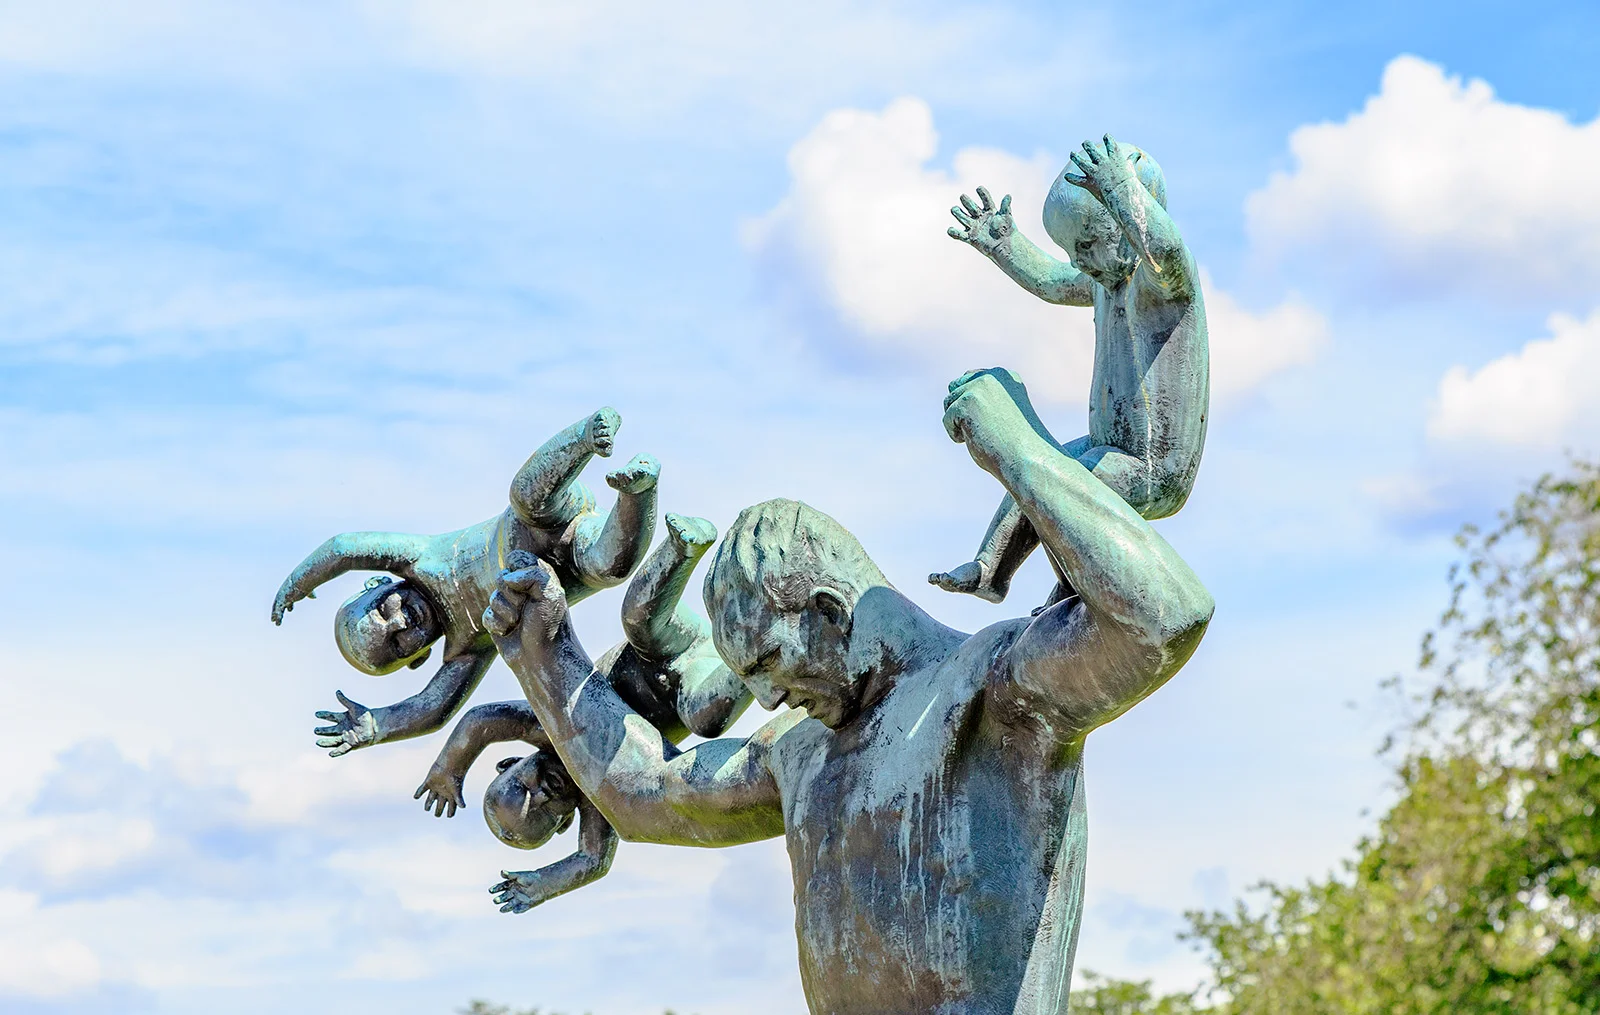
x: 1183, y: 621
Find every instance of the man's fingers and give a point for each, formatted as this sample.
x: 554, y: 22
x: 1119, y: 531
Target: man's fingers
x: 326, y: 741
x: 327, y: 731
x: 346, y: 702
x: 1076, y: 181
x: 1094, y: 156
x: 1077, y: 160
x: 330, y: 716
x: 957, y: 233
x: 1005, y: 205
x: 418, y: 794
x: 970, y: 205
x: 337, y: 752
x: 450, y: 809
x: 961, y: 217
x: 1111, y: 145
x: 501, y: 616
x: 983, y: 196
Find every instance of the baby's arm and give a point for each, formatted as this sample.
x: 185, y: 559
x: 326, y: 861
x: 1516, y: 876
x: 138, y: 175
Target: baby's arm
x: 541, y: 493
x: 395, y: 552
x: 994, y: 233
x: 597, y: 844
x: 418, y: 715
x: 495, y: 723
x: 1109, y: 175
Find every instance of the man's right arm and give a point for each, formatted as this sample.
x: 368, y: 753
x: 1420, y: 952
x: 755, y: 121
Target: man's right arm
x: 993, y: 232
x: 717, y: 793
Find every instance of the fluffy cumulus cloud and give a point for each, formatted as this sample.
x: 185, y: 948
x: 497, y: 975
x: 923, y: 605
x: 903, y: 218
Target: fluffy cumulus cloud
x: 860, y: 233
x: 1438, y: 182
x: 1539, y: 397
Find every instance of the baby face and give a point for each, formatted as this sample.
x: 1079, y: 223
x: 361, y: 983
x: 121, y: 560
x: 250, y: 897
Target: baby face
x: 1081, y: 226
x: 531, y: 800
x: 387, y: 626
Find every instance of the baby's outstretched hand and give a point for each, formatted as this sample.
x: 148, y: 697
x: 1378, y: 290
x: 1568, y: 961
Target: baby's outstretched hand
x: 354, y: 727
x: 521, y: 891
x: 600, y: 430
x: 982, y: 224
x: 445, y: 791
x: 288, y: 595
x: 1103, y: 169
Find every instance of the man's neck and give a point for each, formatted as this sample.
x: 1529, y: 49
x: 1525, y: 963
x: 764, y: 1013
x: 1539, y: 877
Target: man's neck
x: 891, y: 636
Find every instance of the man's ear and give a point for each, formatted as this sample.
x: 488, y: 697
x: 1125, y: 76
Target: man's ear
x: 419, y: 660
x: 832, y: 607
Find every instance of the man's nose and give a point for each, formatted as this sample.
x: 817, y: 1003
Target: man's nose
x: 766, y: 695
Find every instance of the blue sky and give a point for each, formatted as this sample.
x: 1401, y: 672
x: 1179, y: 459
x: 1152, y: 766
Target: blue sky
x: 276, y: 271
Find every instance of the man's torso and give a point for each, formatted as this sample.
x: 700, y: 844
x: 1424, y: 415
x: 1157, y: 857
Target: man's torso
x: 937, y: 852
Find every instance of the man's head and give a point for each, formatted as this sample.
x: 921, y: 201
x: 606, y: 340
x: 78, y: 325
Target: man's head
x: 782, y: 593
x: 387, y: 625
x: 1080, y: 224
x: 531, y: 800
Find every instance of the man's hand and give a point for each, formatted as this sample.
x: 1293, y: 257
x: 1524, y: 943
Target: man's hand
x: 527, y: 596
x: 288, y: 594
x: 1104, y: 170
x: 444, y: 789
x: 989, y: 410
x: 521, y: 891
x: 355, y: 727
x: 983, y: 225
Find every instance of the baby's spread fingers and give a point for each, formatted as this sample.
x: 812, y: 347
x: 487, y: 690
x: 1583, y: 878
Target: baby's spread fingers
x: 961, y: 217
x: 1005, y: 205
x: 326, y: 731
x: 1094, y: 156
x: 987, y: 201
x: 956, y: 233
x: 970, y: 205
x: 330, y: 741
x: 330, y: 716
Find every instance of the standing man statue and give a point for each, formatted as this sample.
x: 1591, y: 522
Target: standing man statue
x: 931, y: 790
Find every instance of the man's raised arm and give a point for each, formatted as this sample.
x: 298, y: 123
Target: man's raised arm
x: 1139, y: 611
x: 717, y: 793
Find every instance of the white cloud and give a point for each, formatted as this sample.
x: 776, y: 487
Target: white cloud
x: 1249, y: 347
x: 1440, y: 181
x: 35, y: 965
x: 862, y: 228
x: 1540, y: 396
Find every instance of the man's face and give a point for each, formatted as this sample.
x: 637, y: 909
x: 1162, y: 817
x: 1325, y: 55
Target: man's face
x: 1081, y: 226
x: 797, y: 659
x: 530, y: 800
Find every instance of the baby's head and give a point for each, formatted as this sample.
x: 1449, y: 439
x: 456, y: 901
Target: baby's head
x: 387, y: 625
x: 531, y: 800
x: 1080, y: 224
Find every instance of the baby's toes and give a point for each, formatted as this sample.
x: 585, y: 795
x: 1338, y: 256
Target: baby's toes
x: 637, y: 476
x: 694, y: 533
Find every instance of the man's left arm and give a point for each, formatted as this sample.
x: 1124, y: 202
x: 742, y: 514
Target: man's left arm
x: 1108, y: 173
x: 1139, y: 611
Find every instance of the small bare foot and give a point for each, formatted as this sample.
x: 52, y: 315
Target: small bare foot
x: 968, y: 579
x: 600, y: 430
x: 695, y: 535
x: 637, y: 476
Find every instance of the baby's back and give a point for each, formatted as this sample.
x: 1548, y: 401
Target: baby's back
x: 1152, y: 384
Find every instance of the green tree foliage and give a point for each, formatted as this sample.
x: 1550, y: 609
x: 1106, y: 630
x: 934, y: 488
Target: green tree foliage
x: 1479, y: 894
x: 1101, y: 995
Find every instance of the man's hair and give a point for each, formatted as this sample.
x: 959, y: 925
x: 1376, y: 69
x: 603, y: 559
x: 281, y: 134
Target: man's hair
x: 782, y: 550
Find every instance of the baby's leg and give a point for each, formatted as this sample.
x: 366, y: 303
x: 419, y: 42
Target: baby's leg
x: 1149, y: 490
x: 606, y: 551
x: 654, y: 620
x: 543, y: 492
x: 1005, y: 546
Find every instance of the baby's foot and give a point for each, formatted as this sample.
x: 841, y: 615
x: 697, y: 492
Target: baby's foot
x: 637, y: 476
x: 970, y: 579
x: 600, y: 430
x: 693, y: 535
